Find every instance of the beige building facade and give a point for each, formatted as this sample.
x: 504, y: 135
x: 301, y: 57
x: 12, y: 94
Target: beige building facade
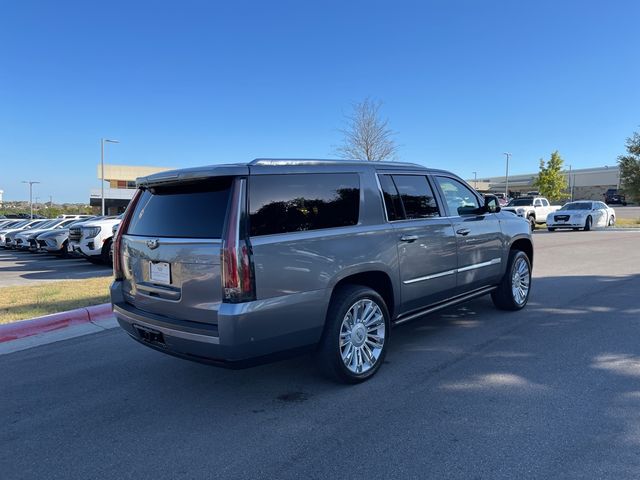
x: 119, y: 186
x: 582, y: 184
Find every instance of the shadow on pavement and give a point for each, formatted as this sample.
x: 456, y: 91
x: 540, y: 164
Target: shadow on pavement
x: 469, y: 392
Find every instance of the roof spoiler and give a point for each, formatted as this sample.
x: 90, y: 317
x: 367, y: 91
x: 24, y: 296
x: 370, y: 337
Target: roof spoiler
x: 192, y: 174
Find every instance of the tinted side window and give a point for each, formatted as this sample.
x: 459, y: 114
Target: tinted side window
x: 416, y: 195
x: 391, y: 198
x: 459, y: 198
x: 300, y: 202
x: 544, y: 203
x: 195, y: 210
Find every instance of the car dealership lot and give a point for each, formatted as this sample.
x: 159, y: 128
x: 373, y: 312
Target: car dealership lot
x: 551, y: 391
x: 24, y: 268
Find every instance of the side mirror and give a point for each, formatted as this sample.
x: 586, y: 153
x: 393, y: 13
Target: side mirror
x: 491, y: 204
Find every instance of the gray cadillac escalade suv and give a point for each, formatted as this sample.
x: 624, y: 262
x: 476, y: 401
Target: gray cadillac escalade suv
x: 233, y: 264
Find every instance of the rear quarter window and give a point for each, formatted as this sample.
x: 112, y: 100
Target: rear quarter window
x: 195, y: 210
x: 301, y: 202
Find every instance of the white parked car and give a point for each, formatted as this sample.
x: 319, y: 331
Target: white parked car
x: 7, y: 235
x: 535, y: 209
x: 585, y: 214
x: 27, y: 239
x: 56, y: 241
x: 92, y: 239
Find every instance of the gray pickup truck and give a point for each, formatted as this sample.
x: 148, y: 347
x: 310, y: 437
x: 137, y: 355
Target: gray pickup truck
x: 237, y: 264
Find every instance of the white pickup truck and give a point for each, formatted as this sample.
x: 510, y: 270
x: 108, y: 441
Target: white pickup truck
x: 534, y: 209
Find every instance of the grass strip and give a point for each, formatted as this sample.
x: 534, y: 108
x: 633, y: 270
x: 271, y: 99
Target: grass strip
x: 628, y: 222
x: 23, y: 302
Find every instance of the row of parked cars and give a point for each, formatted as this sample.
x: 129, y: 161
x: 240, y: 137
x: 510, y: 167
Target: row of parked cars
x: 67, y: 235
x: 581, y: 214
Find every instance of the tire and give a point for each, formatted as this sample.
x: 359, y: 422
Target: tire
x: 508, y: 296
x: 612, y: 221
x: 532, y: 222
x: 551, y: 229
x: 105, y: 256
x: 63, y: 252
x: 588, y: 223
x: 334, y: 359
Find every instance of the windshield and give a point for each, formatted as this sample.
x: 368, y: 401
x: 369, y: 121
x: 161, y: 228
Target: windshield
x: 577, y: 206
x: 20, y: 224
x: 38, y: 224
x: 520, y: 202
x: 66, y: 223
x: 79, y: 222
x: 50, y: 223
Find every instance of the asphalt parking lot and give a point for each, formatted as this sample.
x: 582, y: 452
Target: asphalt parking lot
x: 25, y: 268
x: 552, y: 391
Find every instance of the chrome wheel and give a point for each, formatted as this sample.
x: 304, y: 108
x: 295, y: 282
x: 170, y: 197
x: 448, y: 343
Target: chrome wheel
x: 362, y: 336
x: 520, y: 281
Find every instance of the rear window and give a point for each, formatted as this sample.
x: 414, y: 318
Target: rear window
x: 195, y: 210
x: 300, y: 202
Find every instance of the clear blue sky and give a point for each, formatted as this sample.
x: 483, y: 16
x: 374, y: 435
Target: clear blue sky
x: 191, y: 83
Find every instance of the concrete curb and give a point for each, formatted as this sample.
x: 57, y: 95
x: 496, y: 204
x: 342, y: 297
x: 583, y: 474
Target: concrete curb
x: 49, y: 323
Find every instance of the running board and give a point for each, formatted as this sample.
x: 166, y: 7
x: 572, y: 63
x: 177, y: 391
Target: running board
x: 462, y: 298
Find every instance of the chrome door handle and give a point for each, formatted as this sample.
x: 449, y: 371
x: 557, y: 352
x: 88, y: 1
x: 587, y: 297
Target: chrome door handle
x: 408, y: 238
x: 463, y: 231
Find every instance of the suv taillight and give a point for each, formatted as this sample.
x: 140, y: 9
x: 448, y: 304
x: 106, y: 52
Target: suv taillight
x: 117, y: 241
x: 238, y: 282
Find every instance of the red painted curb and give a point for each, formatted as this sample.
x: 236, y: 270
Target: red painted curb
x: 99, y: 312
x: 56, y: 321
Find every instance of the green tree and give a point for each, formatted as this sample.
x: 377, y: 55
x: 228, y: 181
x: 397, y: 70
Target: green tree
x: 630, y: 168
x: 551, y: 182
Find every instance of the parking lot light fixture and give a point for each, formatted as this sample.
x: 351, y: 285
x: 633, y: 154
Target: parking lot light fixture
x: 102, y: 142
x: 30, y: 182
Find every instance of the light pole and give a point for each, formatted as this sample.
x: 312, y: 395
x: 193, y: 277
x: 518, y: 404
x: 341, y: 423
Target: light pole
x: 30, y: 182
x: 102, y: 142
x: 475, y: 180
x: 571, y: 182
x: 506, y: 177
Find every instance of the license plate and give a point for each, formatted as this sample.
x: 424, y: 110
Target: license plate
x: 69, y: 248
x: 160, y: 272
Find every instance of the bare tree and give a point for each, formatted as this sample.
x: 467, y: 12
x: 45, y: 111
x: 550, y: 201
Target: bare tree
x: 366, y: 135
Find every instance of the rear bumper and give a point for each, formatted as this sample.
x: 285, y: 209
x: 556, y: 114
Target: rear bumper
x: 246, y: 334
